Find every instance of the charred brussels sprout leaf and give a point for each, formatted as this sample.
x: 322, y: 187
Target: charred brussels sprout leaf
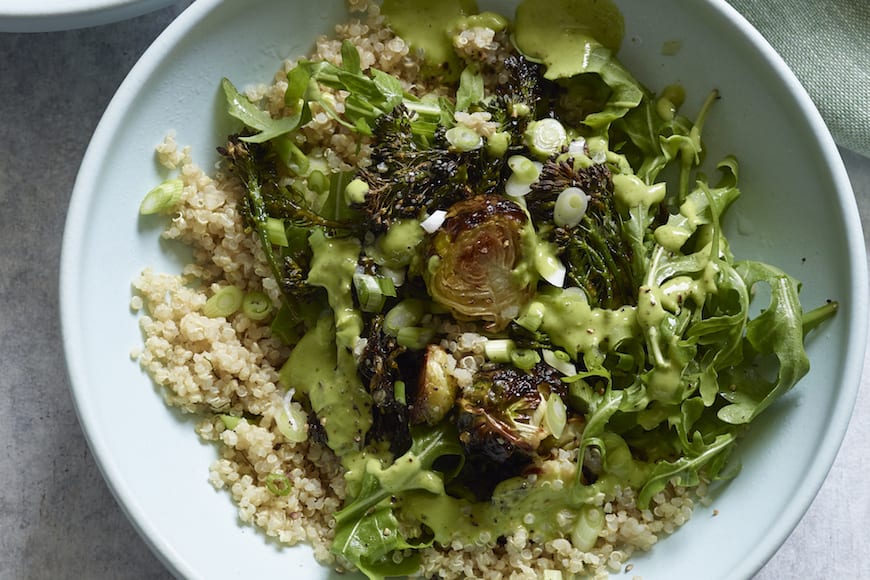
x: 501, y: 413
x: 379, y: 366
x: 476, y: 264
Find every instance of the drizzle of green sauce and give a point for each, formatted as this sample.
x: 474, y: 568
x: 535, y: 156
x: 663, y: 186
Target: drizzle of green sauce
x: 552, y: 504
x: 572, y: 324
x: 564, y: 34
x: 630, y: 191
x: 398, y: 247
x: 426, y: 25
x: 326, y: 374
x: 333, y: 264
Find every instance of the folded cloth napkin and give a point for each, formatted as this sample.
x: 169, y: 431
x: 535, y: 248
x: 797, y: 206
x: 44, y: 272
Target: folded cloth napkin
x: 827, y: 45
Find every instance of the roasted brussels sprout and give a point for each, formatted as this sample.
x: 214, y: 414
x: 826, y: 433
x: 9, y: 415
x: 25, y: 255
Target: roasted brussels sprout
x: 476, y: 264
x: 437, y: 388
x: 505, y: 411
x: 380, y: 368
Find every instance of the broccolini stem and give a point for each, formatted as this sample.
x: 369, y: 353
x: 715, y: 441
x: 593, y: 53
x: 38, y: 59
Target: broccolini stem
x: 260, y: 219
x: 818, y: 315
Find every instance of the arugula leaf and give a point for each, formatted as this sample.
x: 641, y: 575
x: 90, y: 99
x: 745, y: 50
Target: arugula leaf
x: 470, y: 88
x: 777, y: 331
x: 701, y: 207
x: 240, y: 107
x: 686, y: 470
x: 367, y: 531
x: 371, y: 94
x: 626, y: 92
x: 656, y: 141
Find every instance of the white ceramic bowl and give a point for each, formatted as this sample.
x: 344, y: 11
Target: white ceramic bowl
x: 797, y: 211
x: 52, y: 15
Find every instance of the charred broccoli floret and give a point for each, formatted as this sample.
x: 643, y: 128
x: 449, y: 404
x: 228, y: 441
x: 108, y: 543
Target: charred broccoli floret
x: 595, y: 252
x: 518, y: 98
x: 408, y: 179
x: 254, y: 166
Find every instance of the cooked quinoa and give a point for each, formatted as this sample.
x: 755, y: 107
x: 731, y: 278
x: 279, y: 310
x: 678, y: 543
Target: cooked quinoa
x: 229, y: 366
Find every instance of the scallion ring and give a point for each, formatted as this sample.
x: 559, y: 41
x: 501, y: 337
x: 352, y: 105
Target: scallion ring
x: 372, y: 291
x: 276, y: 232
x: 278, y: 484
x: 525, y: 358
x: 414, y: 337
x: 463, y: 138
x: 224, y: 302
x: 570, y: 207
x: 499, y: 349
x: 163, y: 198
x: 256, y: 305
x: 546, y: 137
x: 408, y: 312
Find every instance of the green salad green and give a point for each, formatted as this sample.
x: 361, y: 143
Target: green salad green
x: 522, y: 203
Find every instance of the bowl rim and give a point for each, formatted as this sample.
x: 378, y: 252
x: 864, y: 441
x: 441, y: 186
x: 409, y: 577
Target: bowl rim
x: 858, y: 325
x: 37, y: 17
x: 147, y: 64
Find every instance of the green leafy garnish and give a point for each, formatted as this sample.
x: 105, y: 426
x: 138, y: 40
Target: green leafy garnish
x: 367, y: 531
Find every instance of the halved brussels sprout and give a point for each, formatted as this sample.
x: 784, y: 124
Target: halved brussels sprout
x: 476, y: 265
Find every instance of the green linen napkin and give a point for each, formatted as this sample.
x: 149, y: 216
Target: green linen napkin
x: 827, y: 45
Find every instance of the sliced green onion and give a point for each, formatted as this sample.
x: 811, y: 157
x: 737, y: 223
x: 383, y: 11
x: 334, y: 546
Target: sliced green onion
x: 318, y: 182
x: 434, y: 221
x: 564, y: 367
x: 224, y: 302
x: 577, y: 146
x: 525, y: 358
x: 557, y: 415
x: 546, y: 137
x: 497, y: 144
x: 464, y: 138
x: 499, y: 350
x: 549, y: 265
x: 533, y: 317
x: 408, y: 312
x: 278, y: 484
x: 570, y: 207
x: 356, y: 191
x: 276, y: 232
x: 588, y: 526
x: 256, y: 305
x: 525, y: 173
x: 230, y: 422
x: 525, y: 169
x: 291, y: 422
x: 162, y: 198
x: 399, y: 391
x: 372, y: 291
x: 415, y: 337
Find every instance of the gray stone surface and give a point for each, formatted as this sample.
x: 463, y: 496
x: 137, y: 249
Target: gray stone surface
x: 57, y: 517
